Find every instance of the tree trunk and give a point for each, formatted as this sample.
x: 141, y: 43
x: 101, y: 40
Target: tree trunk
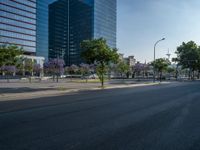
x: 86, y: 77
x: 198, y: 76
x: 127, y: 75
x: 189, y: 76
x: 102, y: 81
x: 30, y: 79
x: 53, y: 77
x: 57, y: 78
x: 161, y: 76
x: 133, y: 75
x: 138, y: 76
x: 143, y: 74
x: 71, y: 78
x: 193, y: 75
x: 102, y: 74
x: 176, y: 75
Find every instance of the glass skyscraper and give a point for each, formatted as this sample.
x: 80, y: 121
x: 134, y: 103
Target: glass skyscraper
x: 42, y: 35
x: 72, y: 21
x: 18, y: 24
x: 105, y: 20
x: 55, y: 28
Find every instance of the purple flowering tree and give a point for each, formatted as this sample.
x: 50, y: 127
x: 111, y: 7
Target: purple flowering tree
x: 146, y: 70
x: 47, y: 69
x: 37, y: 69
x: 84, y: 70
x: 138, y: 68
x: 141, y: 69
x: 55, y: 67
x: 8, y: 70
x: 74, y: 69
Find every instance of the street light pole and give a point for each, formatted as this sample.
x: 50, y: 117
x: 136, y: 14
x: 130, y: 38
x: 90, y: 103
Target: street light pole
x: 154, y: 71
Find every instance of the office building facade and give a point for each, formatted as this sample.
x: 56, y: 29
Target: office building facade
x: 42, y: 43
x: 72, y: 21
x: 55, y: 28
x: 105, y: 20
x: 18, y: 24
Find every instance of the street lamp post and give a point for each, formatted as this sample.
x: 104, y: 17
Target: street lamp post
x: 154, y: 71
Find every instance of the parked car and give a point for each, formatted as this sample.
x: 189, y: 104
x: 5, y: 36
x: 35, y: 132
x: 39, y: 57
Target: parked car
x: 63, y: 76
x: 93, y: 76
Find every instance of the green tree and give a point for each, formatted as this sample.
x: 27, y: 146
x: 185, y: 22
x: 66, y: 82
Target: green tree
x: 188, y: 56
x: 170, y: 71
x: 122, y: 68
x: 20, y: 65
x: 97, y: 51
x: 176, y: 61
x: 8, y: 70
x: 198, y: 64
x: 8, y: 55
x: 29, y: 65
x: 161, y: 65
x: 84, y: 69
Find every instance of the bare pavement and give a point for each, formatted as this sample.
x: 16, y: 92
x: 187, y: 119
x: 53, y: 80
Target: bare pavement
x: 161, y: 117
x: 18, y: 89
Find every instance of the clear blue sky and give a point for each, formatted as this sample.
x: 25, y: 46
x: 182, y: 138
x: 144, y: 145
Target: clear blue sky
x: 142, y: 22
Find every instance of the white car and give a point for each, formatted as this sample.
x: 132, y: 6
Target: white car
x: 93, y: 76
x: 63, y: 76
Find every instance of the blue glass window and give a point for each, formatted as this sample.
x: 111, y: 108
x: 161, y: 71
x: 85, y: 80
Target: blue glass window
x: 18, y: 23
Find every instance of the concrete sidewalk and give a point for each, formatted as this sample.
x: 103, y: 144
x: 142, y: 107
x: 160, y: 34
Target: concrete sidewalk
x: 19, y: 91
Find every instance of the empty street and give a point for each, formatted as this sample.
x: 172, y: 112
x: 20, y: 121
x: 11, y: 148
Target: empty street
x: 161, y: 117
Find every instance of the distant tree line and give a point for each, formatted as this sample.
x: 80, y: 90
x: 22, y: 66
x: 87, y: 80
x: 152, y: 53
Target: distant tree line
x: 101, y: 60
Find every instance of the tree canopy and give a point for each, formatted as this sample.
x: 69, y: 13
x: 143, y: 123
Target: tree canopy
x: 161, y: 65
x: 122, y: 68
x: 97, y: 52
x: 188, y: 55
x: 8, y: 54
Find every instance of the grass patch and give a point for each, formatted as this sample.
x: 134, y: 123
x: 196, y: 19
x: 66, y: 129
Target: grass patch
x: 88, y: 81
x: 62, y: 89
x: 147, y: 83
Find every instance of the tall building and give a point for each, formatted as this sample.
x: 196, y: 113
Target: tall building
x: 18, y: 24
x: 72, y: 21
x: 105, y: 20
x: 42, y: 44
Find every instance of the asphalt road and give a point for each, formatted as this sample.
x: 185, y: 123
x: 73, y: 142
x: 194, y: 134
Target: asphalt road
x: 165, y: 117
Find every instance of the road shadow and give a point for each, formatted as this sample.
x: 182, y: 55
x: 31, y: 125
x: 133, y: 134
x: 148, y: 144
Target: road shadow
x: 22, y: 90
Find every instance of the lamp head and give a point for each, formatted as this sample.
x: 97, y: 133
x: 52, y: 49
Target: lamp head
x: 163, y: 39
